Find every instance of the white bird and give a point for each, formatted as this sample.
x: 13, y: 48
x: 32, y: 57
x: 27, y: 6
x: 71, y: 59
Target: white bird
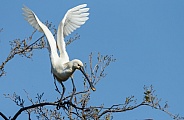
x: 61, y: 67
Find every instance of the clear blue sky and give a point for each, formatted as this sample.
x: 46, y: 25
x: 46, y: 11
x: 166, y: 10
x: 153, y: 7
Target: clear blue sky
x: 145, y: 36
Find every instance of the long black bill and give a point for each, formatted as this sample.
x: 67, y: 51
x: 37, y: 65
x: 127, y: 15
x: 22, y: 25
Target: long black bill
x: 90, y: 83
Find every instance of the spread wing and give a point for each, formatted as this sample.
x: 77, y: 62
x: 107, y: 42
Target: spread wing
x: 33, y: 20
x: 72, y: 20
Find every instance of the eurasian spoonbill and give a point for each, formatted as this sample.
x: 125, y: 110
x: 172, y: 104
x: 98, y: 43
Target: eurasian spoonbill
x: 61, y: 67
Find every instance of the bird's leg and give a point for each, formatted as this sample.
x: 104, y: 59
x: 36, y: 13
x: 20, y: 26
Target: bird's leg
x: 74, y: 90
x: 56, y: 87
x: 60, y: 101
x: 62, y: 91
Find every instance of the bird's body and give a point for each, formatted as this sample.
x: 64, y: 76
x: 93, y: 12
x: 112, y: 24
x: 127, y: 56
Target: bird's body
x: 63, y: 71
x: 61, y: 67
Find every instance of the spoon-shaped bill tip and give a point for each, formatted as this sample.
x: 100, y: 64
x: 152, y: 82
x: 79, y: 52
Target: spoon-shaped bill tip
x: 93, y: 88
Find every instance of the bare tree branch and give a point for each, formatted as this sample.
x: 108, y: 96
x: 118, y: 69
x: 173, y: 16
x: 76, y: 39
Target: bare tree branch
x: 3, y: 116
x: 32, y: 106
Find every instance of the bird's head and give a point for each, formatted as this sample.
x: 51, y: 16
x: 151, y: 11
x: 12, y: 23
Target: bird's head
x: 77, y: 64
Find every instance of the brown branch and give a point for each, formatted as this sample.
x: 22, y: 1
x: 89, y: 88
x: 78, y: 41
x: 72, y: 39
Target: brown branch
x: 14, y: 52
x: 3, y: 116
x: 144, y: 103
x: 75, y: 94
x: 32, y: 106
x: 44, y: 104
x: 22, y: 48
x: 120, y: 109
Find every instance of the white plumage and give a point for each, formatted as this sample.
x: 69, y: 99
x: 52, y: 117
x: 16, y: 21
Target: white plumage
x: 61, y: 67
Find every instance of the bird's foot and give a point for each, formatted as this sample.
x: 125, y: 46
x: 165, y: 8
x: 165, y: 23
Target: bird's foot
x: 59, y: 105
x: 60, y: 100
x: 69, y: 103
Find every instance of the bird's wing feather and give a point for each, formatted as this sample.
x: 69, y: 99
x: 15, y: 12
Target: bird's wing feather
x: 72, y: 20
x: 33, y: 20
